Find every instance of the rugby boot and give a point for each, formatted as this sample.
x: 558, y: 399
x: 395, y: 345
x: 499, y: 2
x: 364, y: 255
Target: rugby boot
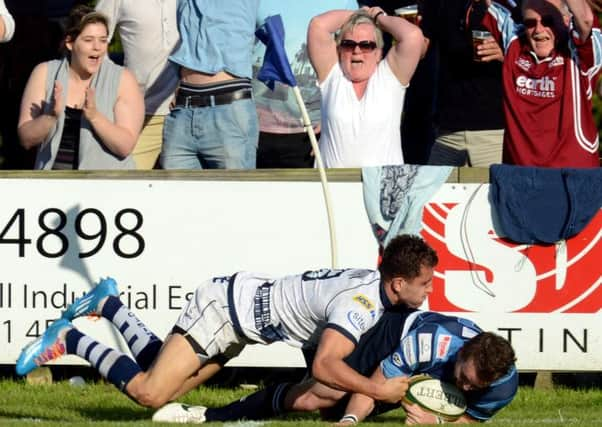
x: 180, y: 413
x: 51, y: 345
x: 87, y: 305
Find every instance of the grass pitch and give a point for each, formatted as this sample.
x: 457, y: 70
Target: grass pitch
x: 100, y: 404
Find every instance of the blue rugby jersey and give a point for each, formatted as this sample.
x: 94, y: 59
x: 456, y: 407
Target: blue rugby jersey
x: 429, y: 344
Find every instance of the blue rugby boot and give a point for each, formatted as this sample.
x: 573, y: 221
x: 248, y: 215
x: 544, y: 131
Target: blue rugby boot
x: 87, y: 305
x: 51, y: 345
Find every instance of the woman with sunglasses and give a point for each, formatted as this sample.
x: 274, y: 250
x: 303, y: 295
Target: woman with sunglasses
x: 550, y: 68
x: 362, y: 93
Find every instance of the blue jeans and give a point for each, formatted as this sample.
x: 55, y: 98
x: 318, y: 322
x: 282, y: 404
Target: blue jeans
x: 219, y: 137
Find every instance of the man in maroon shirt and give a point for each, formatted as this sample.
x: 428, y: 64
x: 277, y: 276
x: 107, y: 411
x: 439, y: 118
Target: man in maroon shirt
x: 551, y: 63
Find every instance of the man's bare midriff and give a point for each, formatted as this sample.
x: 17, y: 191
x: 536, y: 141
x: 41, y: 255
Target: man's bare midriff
x: 197, y: 78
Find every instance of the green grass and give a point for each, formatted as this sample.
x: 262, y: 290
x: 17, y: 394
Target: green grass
x: 99, y: 404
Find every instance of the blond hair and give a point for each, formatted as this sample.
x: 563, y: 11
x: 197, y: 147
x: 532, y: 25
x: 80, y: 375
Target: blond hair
x: 357, y: 18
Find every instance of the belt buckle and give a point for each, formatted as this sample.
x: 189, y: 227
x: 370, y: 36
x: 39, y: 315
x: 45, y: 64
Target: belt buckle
x: 186, y: 101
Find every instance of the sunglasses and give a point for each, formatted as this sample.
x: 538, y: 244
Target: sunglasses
x: 546, y: 21
x: 365, y: 45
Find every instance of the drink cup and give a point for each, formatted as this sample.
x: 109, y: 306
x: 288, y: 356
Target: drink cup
x: 408, y: 12
x: 478, y: 38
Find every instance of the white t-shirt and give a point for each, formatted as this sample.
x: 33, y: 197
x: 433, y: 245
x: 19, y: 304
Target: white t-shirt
x: 361, y: 132
x: 296, y: 309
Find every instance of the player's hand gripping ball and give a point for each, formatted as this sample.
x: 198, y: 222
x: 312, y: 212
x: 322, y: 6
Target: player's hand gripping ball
x: 437, y: 397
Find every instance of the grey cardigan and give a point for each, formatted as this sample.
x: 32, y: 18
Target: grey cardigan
x: 92, y: 152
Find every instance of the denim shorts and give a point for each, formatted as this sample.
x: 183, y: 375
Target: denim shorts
x: 212, y: 137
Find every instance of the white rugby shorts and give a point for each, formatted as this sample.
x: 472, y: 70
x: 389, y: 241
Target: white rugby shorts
x: 206, y: 320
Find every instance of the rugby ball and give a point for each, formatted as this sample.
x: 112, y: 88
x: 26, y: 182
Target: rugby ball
x: 437, y: 397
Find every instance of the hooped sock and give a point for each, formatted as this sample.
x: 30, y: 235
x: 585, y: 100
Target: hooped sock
x: 113, y: 365
x: 143, y: 343
x: 260, y: 405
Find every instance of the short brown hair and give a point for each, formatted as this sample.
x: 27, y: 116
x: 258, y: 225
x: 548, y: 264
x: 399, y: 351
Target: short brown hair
x: 492, y: 355
x: 80, y: 17
x: 405, y: 255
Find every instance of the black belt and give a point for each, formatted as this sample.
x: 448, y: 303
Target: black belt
x: 211, y: 100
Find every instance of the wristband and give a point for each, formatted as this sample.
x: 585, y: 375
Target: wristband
x: 349, y: 417
x: 382, y: 12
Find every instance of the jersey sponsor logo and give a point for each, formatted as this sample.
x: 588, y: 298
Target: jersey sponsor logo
x: 357, y: 320
x: 544, y: 87
x: 424, y: 347
x: 364, y: 301
x: 524, y: 64
x: 543, y: 284
x: 556, y: 62
x: 409, y: 352
x: 261, y: 306
x: 443, y: 343
x: 396, y: 359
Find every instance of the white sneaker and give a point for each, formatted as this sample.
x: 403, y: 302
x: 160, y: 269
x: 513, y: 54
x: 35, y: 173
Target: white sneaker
x: 180, y: 413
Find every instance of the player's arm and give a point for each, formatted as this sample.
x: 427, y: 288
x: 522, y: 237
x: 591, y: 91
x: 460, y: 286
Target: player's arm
x: 360, y: 405
x: 329, y: 368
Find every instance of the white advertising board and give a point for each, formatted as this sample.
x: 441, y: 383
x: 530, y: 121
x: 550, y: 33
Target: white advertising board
x: 159, y: 239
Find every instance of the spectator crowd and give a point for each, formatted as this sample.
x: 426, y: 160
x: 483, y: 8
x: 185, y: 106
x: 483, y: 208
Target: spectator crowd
x: 385, y: 82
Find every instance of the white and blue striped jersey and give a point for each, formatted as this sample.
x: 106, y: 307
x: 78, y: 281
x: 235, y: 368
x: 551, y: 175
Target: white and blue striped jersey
x: 296, y: 309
